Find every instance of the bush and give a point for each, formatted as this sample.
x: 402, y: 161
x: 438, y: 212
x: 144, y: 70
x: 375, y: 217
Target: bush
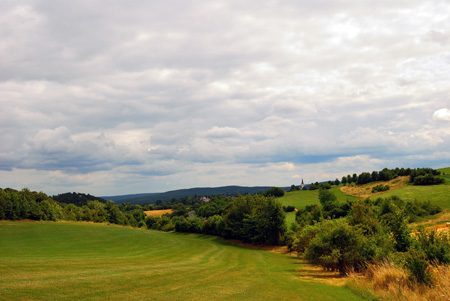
x: 339, y: 246
x: 435, y: 246
x: 288, y: 208
x: 380, y: 188
x: 417, y: 265
x: 213, y: 225
x: 302, y: 238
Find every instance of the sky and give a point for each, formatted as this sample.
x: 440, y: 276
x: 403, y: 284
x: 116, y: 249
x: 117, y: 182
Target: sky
x: 119, y: 97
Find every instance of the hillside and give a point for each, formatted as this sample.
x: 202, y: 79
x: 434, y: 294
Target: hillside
x: 151, y: 198
x: 365, y: 190
x: 74, y: 261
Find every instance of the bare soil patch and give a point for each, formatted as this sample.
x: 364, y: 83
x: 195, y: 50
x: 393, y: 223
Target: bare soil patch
x: 365, y: 190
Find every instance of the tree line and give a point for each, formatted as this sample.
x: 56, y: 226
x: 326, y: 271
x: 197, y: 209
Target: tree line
x: 26, y: 204
x: 417, y: 176
x: 257, y: 219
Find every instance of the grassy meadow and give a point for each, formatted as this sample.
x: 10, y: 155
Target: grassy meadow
x: 302, y: 198
x: 65, y: 260
x: 445, y: 171
x: 436, y: 194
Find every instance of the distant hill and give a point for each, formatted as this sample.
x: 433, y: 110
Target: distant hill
x: 151, y: 198
x: 79, y: 199
x: 126, y: 198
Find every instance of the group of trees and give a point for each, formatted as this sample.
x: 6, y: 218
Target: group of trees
x: 26, y: 204
x: 344, y: 236
x: 425, y: 176
x: 383, y: 175
x: 256, y: 219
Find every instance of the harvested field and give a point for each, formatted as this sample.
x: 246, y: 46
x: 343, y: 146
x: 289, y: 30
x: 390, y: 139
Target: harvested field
x: 158, y: 213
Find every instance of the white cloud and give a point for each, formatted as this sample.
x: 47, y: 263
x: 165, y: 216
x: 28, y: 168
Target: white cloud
x: 442, y: 114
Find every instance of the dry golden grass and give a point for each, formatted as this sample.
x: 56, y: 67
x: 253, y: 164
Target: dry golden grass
x: 158, y: 213
x: 365, y: 190
x: 439, y: 220
x: 389, y: 282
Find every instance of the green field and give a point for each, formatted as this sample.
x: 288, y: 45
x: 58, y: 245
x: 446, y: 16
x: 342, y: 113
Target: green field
x: 444, y: 170
x: 96, y: 261
x: 302, y: 198
x: 436, y: 194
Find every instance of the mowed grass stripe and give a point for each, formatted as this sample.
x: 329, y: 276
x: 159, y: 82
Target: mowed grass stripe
x: 89, y: 261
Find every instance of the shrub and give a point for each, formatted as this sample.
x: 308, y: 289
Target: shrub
x: 303, y: 238
x: 435, y: 246
x: 417, y: 265
x: 339, y: 246
x: 288, y: 208
x: 380, y: 188
x: 213, y: 225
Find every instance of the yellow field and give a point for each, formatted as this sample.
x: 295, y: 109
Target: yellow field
x: 365, y: 190
x: 158, y: 213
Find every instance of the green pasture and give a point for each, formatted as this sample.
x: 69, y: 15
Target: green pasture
x: 302, y: 198
x: 290, y: 218
x: 436, y: 194
x: 445, y: 171
x: 74, y: 261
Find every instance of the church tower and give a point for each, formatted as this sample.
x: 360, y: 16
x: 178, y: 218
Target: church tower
x: 302, y: 185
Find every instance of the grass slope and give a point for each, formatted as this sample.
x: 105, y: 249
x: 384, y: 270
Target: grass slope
x: 445, y: 171
x: 436, y: 194
x: 302, y: 198
x: 91, y: 261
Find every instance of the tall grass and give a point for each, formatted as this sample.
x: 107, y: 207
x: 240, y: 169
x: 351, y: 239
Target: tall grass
x: 389, y: 282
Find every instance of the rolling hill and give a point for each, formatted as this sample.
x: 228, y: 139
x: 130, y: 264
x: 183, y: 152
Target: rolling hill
x: 151, y: 198
x: 73, y: 261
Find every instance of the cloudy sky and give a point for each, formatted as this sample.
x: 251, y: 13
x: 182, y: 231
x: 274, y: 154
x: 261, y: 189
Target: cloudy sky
x: 117, y: 97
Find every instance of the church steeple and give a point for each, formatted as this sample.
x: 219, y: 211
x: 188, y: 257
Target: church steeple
x: 302, y: 185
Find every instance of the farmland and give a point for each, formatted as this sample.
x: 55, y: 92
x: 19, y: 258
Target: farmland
x: 68, y: 260
x: 158, y: 212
